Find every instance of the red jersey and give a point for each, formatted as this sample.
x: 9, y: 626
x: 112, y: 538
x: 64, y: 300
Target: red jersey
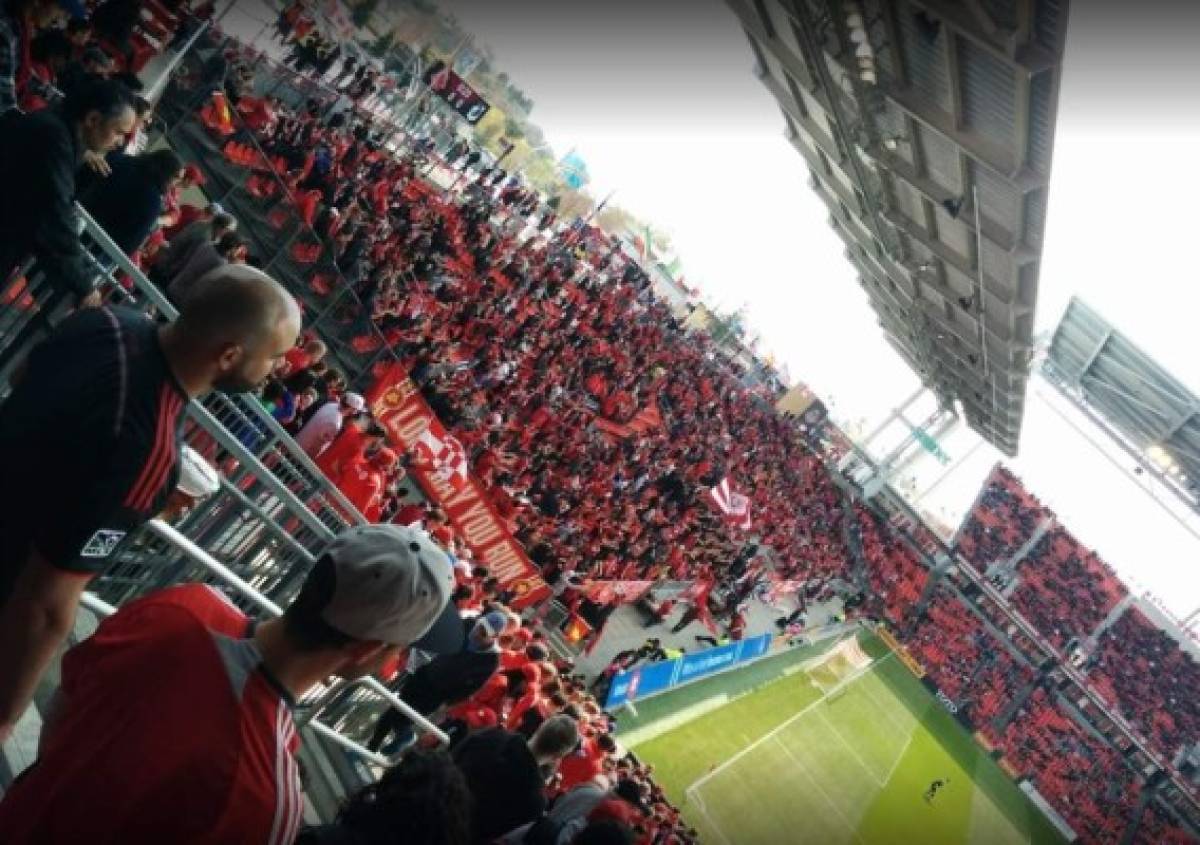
x: 171, y: 730
x: 345, y: 446
x: 297, y: 359
x: 581, y: 765
x: 409, y: 514
x: 363, y: 485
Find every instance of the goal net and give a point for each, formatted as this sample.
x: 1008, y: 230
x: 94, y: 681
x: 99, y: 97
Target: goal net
x: 842, y: 661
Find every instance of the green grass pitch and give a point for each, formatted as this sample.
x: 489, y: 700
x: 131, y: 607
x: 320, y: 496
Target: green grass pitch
x: 796, y: 750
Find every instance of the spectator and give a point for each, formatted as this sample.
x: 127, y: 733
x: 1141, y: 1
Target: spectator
x: 582, y: 807
x: 89, y: 440
x: 604, y: 832
x: 114, y: 22
x: 448, y: 679
x: 363, y: 480
x: 181, y: 706
x: 92, y: 66
x: 50, y: 53
x: 323, y: 427
x: 39, y: 156
x: 20, y: 21
x: 507, y: 775
x: 179, y: 250
x: 128, y: 204
x: 228, y: 250
x: 423, y: 800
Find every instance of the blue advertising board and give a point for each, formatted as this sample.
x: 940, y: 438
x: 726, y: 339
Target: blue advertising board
x: 653, y: 678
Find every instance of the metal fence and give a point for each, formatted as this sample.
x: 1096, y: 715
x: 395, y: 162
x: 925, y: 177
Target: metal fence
x: 256, y: 538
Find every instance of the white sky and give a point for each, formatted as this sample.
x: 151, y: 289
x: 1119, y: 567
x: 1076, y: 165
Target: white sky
x: 665, y: 110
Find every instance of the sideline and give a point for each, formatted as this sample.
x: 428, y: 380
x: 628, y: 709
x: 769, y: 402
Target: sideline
x: 840, y: 685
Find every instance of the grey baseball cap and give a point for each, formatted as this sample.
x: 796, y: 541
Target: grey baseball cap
x: 393, y: 584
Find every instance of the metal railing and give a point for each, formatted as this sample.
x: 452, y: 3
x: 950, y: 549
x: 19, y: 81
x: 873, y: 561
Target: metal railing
x: 273, y: 516
x: 250, y: 599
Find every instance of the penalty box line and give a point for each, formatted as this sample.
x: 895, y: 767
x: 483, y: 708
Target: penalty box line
x: 840, y: 685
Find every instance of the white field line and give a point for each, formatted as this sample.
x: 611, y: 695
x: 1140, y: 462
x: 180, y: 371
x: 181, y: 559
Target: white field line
x: 887, y: 711
x: 869, y: 770
x: 899, y: 757
x: 828, y: 800
x: 694, y: 796
x: 656, y: 729
x: 849, y: 679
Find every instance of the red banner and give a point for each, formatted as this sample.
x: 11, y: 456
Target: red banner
x: 644, y: 420
x: 616, y: 592
x: 401, y: 409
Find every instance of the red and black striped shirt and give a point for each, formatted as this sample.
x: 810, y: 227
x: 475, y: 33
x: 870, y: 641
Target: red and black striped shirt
x: 89, y: 441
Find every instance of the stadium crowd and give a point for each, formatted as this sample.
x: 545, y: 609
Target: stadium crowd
x: 596, y: 421
x: 521, y: 348
x: 533, y: 735
x: 1065, y: 590
x: 1002, y: 521
x: 1083, y: 777
x: 1151, y: 679
x: 968, y: 663
x: 896, y: 575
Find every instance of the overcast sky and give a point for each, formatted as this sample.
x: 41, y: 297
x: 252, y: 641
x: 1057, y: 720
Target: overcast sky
x: 660, y: 101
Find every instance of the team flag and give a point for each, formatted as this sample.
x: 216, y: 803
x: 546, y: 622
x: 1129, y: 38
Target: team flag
x: 442, y: 455
x: 731, y: 503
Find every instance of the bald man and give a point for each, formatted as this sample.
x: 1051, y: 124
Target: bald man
x: 90, y: 441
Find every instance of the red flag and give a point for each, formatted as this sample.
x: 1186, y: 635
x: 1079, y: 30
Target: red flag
x: 442, y: 455
x: 616, y: 592
x: 731, y: 503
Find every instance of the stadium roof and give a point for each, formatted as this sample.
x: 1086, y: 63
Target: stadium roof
x: 917, y: 119
x: 1133, y: 397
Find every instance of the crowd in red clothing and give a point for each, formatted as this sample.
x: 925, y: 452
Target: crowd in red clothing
x: 1155, y: 684
x: 520, y: 347
x: 967, y: 662
x: 1082, y: 776
x: 1002, y: 521
x: 528, y: 689
x: 1065, y: 590
x: 896, y: 574
x: 1158, y: 828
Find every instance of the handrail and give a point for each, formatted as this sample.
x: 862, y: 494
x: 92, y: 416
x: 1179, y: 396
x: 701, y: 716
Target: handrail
x: 294, y: 453
x: 155, y: 89
x: 103, y: 609
x: 197, y: 554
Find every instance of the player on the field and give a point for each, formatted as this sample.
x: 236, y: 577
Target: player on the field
x: 932, y: 792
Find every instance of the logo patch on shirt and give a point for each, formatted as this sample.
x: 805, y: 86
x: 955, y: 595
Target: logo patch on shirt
x: 103, y: 543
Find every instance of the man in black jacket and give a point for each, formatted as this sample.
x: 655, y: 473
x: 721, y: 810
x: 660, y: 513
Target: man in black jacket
x: 40, y: 154
x: 447, y: 679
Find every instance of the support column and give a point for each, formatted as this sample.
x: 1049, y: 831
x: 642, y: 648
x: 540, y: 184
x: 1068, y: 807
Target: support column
x: 1111, y: 619
x: 1001, y: 722
x: 1010, y: 565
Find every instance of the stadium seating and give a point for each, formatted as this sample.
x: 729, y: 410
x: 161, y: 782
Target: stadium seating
x: 537, y: 362
x: 1158, y: 828
x: 968, y: 664
x: 614, y: 506
x: 1155, y: 683
x: 896, y: 574
x: 1082, y: 777
x: 1065, y: 590
x: 1002, y: 521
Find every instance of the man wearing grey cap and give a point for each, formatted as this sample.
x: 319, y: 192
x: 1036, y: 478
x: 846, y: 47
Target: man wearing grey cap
x: 181, y: 705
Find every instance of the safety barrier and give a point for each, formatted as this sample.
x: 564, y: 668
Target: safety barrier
x: 655, y: 678
x: 248, y: 598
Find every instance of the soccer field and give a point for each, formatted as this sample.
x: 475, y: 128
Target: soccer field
x: 833, y: 751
